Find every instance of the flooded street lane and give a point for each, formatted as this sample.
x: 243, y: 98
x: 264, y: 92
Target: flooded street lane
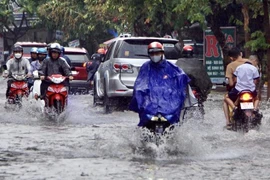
x: 87, y: 144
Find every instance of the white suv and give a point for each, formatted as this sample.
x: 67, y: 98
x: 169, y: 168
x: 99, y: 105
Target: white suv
x: 116, y: 75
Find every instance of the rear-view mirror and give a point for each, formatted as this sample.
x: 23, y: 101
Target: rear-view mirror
x: 5, y: 67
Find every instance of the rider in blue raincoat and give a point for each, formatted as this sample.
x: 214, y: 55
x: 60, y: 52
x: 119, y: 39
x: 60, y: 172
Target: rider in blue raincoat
x: 160, y: 88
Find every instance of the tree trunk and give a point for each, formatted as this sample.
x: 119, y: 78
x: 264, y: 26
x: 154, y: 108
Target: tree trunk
x: 267, y: 36
x: 246, y: 27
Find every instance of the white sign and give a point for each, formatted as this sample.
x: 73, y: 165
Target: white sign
x: 1, y: 48
x: 15, y: 6
x: 247, y: 105
x: 59, y: 34
x: 74, y: 43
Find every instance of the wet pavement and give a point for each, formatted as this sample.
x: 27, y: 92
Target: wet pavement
x: 85, y: 143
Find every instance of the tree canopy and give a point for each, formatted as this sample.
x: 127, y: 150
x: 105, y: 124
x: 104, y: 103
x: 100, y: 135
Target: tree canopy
x: 95, y: 21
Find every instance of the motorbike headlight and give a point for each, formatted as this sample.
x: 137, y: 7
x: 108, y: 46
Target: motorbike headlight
x: 50, y: 89
x: 13, y: 86
x: 63, y: 89
x: 168, y: 117
x: 24, y: 86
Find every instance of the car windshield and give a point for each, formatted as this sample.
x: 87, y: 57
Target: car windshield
x: 78, y: 57
x: 27, y: 49
x: 138, y: 49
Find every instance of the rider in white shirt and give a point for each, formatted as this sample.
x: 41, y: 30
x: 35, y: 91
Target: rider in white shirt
x: 246, y: 76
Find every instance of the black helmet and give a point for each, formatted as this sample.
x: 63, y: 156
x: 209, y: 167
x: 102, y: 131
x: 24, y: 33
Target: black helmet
x: 96, y: 57
x: 17, y: 48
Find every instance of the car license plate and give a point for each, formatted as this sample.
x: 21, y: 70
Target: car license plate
x: 247, y: 105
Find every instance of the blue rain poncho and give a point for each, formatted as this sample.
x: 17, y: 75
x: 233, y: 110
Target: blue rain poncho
x: 159, y: 89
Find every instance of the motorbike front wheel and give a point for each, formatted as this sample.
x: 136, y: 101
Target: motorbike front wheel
x: 18, y: 101
x: 58, y: 107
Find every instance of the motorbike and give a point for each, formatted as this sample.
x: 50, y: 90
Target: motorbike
x: 34, y: 93
x: 244, y: 118
x: 56, y: 95
x: 194, y: 107
x: 198, y: 95
x: 35, y: 89
x: 17, y: 91
x: 159, y: 126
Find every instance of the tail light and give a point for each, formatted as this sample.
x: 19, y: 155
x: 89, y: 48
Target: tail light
x: 84, y: 64
x: 118, y: 67
x: 194, y: 92
x: 246, y: 97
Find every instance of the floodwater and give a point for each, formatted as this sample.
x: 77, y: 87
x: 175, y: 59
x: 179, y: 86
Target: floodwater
x: 84, y: 143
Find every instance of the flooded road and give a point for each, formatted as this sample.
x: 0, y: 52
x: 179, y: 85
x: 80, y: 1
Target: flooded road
x: 86, y: 144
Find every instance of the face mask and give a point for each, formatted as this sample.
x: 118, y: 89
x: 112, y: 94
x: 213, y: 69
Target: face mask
x: 18, y: 55
x: 156, y: 59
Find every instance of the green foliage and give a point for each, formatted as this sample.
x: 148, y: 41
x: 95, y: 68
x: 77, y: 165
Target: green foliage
x: 236, y: 21
x: 257, y: 42
x: 195, y: 11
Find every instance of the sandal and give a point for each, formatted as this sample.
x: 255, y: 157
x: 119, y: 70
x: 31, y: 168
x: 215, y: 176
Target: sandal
x: 229, y: 126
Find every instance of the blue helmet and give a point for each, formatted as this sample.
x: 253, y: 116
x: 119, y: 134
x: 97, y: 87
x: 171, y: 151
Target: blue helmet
x: 62, y: 49
x: 42, y: 51
x: 34, y: 50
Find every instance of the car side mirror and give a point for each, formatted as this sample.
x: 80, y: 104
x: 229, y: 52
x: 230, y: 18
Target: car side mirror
x: 5, y: 67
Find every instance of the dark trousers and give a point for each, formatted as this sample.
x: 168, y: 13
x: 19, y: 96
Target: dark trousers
x: 43, y: 88
x: 8, y: 87
x: 30, y: 83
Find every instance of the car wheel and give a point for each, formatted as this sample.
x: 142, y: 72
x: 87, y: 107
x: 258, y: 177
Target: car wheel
x: 107, y: 102
x: 96, y: 100
x: 107, y: 106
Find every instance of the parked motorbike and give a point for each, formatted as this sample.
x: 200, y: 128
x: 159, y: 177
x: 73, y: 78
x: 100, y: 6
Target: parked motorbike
x: 56, y: 95
x: 244, y: 117
x: 17, y: 91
